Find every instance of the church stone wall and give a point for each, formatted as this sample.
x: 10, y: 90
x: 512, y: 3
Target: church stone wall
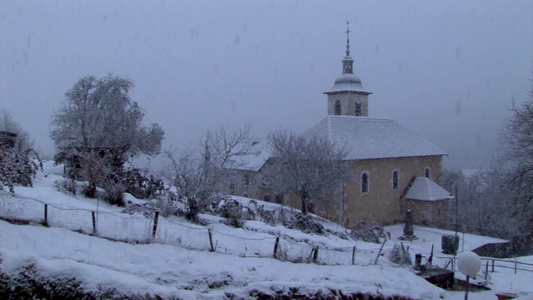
x: 347, y: 205
x: 429, y: 213
x: 348, y: 100
x: 381, y: 203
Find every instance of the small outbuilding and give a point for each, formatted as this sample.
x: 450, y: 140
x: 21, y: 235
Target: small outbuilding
x: 430, y: 202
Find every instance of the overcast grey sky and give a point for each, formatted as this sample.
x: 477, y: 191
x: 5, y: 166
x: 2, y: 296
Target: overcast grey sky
x: 446, y: 69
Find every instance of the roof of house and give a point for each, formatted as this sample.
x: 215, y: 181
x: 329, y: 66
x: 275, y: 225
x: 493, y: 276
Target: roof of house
x: 256, y: 155
x: 371, y: 138
x: 425, y: 189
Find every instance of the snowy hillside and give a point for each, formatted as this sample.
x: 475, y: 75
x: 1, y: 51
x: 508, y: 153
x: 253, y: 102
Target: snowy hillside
x: 177, y: 261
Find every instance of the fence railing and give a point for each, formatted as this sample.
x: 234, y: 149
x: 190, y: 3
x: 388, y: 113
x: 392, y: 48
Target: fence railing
x: 489, y: 264
x: 137, y: 228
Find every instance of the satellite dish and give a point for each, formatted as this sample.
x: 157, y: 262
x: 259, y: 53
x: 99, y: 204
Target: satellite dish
x: 469, y: 263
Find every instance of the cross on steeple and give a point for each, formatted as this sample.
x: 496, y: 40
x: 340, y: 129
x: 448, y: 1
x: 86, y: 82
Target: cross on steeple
x: 348, y: 38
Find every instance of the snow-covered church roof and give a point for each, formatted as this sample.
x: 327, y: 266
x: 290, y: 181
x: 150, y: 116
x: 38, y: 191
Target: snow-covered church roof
x: 371, y: 138
x: 425, y: 189
x: 348, y: 82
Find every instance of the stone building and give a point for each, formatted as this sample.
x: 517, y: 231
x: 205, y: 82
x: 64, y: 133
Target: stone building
x: 392, y: 169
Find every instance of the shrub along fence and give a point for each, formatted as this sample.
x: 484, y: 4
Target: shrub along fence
x: 137, y: 228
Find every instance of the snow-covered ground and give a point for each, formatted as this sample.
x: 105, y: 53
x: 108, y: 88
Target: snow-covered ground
x: 178, y: 264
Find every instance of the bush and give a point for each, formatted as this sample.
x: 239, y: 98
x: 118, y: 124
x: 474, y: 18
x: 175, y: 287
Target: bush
x: 18, y: 167
x: 165, y: 207
x: 261, y: 214
x: 368, y: 233
x: 114, y: 194
x: 28, y: 283
x: 232, y: 211
x: 140, y: 185
x: 66, y: 186
x: 267, y: 216
x: 306, y: 224
x: 399, y: 255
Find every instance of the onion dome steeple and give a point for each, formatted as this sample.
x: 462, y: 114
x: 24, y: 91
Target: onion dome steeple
x: 348, y: 81
x: 348, y: 97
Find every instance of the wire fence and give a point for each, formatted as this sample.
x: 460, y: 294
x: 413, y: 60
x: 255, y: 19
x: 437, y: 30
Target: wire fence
x: 136, y: 228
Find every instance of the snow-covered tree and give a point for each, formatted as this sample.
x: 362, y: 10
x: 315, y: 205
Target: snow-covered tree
x: 518, y: 171
x: 201, y: 175
x: 99, y: 127
x: 499, y: 201
x: 484, y: 203
x: 18, y: 162
x: 8, y: 124
x: 519, y: 145
x: 305, y: 165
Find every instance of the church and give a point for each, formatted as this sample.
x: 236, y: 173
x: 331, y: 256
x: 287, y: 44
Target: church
x: 392, y: 169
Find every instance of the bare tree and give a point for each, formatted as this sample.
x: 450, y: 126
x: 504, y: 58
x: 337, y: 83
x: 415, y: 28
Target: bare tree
x: 306, y: 165
x: 201, y: 175
x: 98, y: 124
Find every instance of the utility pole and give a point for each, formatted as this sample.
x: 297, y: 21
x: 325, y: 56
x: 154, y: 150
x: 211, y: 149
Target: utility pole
x: 456, y: 239
x: 456, y: 210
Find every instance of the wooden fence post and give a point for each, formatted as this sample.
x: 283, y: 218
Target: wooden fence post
x: 353, y: 256
x: 379, y: 253
x: 276, y: 245
x: 430, y: 259
x: 315, y: 254
x: 93, y: 214
x: 210, y: 232
x: 486, y: 270
x: 46, y: 215
x: 492, y: 266
x: 453, y: 264
x: 156, y: 217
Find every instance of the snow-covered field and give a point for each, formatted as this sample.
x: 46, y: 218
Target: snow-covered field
x: 178, y: 264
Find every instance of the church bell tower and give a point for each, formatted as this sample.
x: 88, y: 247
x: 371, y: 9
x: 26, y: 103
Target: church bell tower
x: 348, y: 97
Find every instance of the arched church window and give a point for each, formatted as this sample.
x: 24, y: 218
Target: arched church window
x: 348, y: 68
x: 338, y: 107
x: 395, y: 180
x: 427, y: 173
x: 364, y: 183
x: 358, y: 107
